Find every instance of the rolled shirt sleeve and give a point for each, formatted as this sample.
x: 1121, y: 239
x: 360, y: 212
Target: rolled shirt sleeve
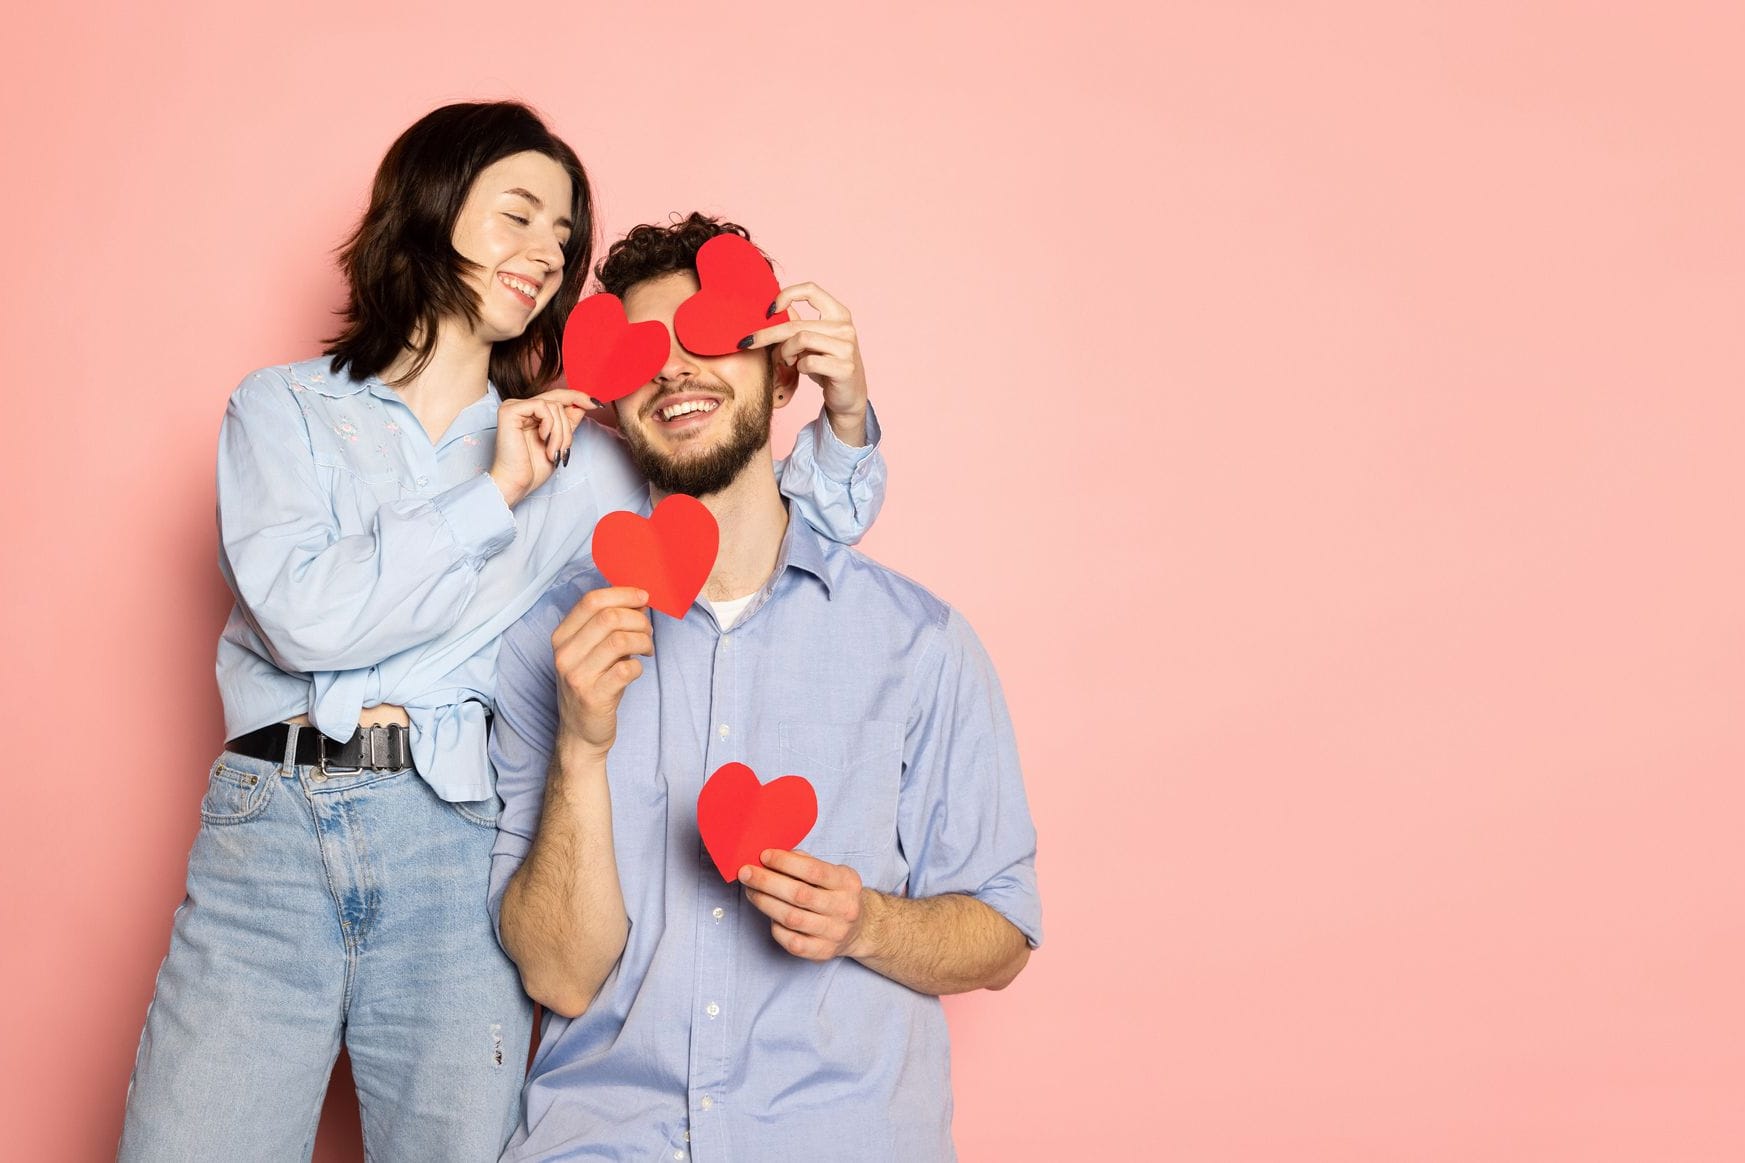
x: 523, y: 735
x: 963, y: 818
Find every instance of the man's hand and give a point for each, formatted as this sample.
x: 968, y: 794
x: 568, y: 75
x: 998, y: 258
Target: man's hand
x: 949, y: 943
x: 596, y: 648
x: 817, y: 910
x: 826, y: 349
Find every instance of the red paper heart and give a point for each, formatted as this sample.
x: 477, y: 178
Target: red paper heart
x: 740, y: 817
x: 738, y: 286
x: 669, y: 554
x: 606, y: 355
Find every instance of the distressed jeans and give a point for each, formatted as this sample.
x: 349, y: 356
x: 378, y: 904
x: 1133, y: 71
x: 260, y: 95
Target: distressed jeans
x: 320, y: 907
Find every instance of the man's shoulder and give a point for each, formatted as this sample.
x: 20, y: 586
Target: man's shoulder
x: 939, y: 636
x: 530, y: 636
x: 860, y: 579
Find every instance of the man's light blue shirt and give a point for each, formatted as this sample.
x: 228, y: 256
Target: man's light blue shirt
x: 371, y: 565
x: 707, y: 1040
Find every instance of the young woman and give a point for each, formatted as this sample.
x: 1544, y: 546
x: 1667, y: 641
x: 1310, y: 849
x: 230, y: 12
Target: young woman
x: 385, y: 512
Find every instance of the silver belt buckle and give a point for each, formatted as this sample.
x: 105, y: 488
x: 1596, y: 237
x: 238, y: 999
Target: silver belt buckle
x: 321, y: 763
x: 381, y: 748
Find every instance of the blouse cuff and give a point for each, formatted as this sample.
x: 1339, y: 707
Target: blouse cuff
x: 840, y: 462
x: 479, y: 518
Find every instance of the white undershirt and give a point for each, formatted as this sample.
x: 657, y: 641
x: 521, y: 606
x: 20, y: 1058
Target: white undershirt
x: 727, y: 612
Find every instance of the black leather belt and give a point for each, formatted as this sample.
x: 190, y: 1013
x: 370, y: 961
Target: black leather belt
x: 372, y: 748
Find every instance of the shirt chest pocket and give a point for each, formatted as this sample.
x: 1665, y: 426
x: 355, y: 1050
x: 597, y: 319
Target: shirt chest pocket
x: 857, y: 770
x: 358, y: 490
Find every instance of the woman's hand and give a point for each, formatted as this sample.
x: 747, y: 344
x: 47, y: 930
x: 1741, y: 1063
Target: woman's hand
x: 827, y: 349
x: 533, y: 439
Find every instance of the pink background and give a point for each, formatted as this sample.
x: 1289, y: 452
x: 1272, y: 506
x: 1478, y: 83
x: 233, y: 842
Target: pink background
x: 1330, y: 419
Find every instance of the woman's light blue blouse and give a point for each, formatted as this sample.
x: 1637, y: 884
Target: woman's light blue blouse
x: 372, y: 566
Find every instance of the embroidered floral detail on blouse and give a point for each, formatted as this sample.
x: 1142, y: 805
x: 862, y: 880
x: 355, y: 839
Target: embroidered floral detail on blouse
x: 391, y: 426
x: 347, y: 430
x: 318, y: 378
x: 470, y: 441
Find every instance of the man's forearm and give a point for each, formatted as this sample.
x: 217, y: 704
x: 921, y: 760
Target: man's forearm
x: 563, y: 919
x: 938, y: 945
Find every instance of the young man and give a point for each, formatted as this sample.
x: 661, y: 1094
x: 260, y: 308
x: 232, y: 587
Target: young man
x: 792, y: 1014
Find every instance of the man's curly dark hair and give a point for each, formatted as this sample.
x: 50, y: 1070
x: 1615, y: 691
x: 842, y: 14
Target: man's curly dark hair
x: 652, y: 250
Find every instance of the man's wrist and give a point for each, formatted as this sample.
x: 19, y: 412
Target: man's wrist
x: 577, y: 756
x: 867, y: 941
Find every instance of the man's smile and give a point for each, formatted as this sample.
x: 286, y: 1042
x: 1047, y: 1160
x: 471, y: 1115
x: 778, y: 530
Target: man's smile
x: 685, y: 411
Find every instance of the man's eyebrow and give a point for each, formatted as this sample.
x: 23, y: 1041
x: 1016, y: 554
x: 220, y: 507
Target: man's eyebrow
x: 538, y: 205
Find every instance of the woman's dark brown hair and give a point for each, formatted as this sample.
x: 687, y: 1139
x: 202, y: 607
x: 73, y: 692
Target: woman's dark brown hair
x: 404, y: 273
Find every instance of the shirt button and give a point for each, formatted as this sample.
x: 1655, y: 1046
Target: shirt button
x: 707, y: 1102
x: 722, y: 731
x: 678, y: 1154
x: 718, y: 912
x: 711, y: 1009
x: 422, y: 481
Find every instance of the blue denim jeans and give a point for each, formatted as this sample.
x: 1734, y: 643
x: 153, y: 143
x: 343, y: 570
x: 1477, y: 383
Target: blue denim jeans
x: 324, y: 906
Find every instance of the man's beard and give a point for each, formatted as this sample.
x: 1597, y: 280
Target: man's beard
x: 710, y: 472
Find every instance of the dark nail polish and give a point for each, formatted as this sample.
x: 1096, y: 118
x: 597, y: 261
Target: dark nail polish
x: 566, y: 456
x: 771, y: 311
x: 745, y: 343
x: 596, y: 403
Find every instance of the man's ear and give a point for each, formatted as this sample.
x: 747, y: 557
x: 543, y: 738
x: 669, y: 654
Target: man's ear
x: 787, y: 382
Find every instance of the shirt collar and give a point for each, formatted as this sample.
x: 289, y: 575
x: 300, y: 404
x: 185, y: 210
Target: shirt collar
x: 803, y: 549
x: 318, y: 376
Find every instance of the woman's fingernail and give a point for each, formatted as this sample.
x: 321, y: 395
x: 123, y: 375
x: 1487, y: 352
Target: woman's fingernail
x: 566, y: 456
x: 745, y: 343
x: 771, y: 311
x: 596, y: 403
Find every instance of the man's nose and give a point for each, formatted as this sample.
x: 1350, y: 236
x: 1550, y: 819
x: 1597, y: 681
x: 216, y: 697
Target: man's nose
x: 680, y: 364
